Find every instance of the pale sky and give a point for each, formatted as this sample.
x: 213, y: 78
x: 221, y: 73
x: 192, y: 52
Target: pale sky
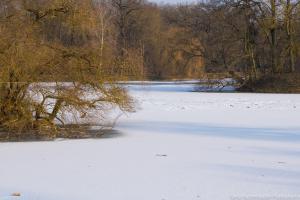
x: 172, y: 1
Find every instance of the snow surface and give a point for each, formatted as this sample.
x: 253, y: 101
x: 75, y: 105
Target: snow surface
x: 179, y: 145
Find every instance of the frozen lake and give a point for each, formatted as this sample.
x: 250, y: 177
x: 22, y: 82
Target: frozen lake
x: 178, y: 145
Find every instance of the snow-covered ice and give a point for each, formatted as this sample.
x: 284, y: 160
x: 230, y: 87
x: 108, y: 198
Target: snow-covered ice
x: 178, y: 145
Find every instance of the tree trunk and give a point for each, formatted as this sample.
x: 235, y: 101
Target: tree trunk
x: 290, y: 37
x: 273, y: 36
x: 250, y: 43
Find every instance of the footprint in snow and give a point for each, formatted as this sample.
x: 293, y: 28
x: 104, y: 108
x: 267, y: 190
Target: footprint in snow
x: 161, y: 155
x: 281, y: 162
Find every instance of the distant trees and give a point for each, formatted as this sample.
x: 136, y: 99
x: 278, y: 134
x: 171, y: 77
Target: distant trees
x: 163, y: 40
x: 138, y: 39
x: 148, y: 42
x: 257, y: 37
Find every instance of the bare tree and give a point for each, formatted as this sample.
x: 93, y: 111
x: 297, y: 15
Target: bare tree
x: 32, y: 109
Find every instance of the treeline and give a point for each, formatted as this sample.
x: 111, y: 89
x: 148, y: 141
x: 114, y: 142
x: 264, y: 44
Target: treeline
x: 127, y: 39
x: 137, y: 39
x: 255, y: 37
x: 247, y: 39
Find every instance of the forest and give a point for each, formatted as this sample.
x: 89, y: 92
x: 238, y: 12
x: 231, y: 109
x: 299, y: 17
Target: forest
x: 137, y: 39
x: 94, y: 43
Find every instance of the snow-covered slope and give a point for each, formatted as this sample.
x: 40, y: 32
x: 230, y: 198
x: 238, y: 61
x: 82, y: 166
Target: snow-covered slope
x: 179, y: 145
